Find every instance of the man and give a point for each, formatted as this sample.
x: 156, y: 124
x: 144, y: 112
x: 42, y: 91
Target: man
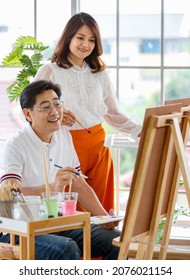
x: 22, y: 165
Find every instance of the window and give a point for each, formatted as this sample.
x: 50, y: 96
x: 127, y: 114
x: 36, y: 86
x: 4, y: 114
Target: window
x: 146, y: 49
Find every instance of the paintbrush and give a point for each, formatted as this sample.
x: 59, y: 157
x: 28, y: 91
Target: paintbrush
x: 45, y: 174
x: 87, y: 129
x: 77, y: 173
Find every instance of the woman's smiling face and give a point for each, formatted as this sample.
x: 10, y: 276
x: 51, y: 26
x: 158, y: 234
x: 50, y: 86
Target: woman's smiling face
x: 81, y: 45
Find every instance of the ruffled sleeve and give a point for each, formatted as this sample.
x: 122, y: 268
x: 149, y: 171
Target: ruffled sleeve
x: 114, y: 117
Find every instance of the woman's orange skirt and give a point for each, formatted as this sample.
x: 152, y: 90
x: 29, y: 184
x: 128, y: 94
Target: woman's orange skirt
x: 96, y: 162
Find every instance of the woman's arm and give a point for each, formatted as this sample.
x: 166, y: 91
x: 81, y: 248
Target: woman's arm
x: 114, y: 117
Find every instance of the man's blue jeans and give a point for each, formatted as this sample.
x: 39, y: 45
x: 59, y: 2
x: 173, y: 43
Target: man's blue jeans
x: 51, y: 247
x: 101, y: 241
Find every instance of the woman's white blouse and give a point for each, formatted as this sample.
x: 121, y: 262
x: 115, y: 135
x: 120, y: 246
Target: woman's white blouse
x: 89, y: 96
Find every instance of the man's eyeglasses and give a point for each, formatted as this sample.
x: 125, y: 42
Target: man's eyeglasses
x: 48, y: 108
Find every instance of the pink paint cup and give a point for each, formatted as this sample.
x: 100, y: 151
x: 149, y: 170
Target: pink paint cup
x: 69, y: 203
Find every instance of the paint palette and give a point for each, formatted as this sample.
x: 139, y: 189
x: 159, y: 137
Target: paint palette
x: 105, y: 219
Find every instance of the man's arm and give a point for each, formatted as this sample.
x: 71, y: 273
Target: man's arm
x: 25, y: 190
x: 88, y: 198
x: 86, y: 195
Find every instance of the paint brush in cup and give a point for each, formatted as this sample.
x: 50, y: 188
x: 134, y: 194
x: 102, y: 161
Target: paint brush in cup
x: 45, y: 174
x: 77, y: 173
x: 87, y: 129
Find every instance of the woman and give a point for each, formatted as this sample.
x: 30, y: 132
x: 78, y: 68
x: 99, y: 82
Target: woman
x: 89, y: 97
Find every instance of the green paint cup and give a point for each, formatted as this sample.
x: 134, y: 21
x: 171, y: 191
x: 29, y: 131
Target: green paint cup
x: 51, y: 208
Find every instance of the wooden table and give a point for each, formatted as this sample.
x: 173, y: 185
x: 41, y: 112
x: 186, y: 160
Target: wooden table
x: 28, y: 230
x: 120, y: 141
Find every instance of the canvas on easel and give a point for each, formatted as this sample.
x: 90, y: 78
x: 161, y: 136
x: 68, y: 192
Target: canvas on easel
x: 152, y: 181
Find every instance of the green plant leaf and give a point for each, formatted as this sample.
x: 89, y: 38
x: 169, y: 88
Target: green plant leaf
x: 27, y: 54
x: 13, y: 58
x: 160, y: 231
x: 181, y: 183
x: 29, y: 43
x: 177, y: 213
x: 15, y: 89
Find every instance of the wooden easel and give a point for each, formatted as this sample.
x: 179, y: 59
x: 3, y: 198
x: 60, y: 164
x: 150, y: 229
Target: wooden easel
x: 185, y: 128
x: 153, y: 192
